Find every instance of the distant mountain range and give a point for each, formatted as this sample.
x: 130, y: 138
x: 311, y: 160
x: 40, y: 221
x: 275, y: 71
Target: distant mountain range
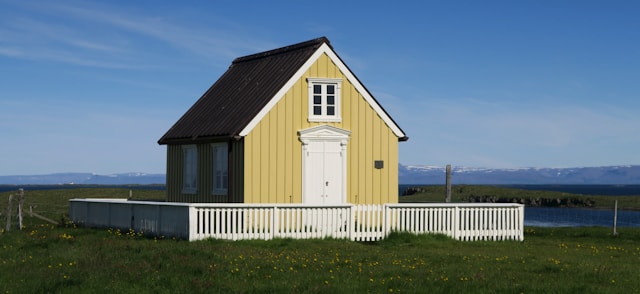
x: 85, y: 179
x: 606, y: 175
x: 409, y: 175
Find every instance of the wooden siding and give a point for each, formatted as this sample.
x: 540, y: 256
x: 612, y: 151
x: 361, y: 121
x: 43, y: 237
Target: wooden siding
x: 205, y: 175
x: 174, y: 172
x: 236, y: 172
x: 273, y: 162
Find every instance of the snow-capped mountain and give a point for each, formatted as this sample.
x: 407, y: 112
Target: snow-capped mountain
x: 408, y: 174
x: 606, y: 175
x: 84, y: 179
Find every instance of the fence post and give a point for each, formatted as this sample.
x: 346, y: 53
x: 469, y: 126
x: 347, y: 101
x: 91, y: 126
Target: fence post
x: 615, y: 218
x: 9, y: 213
x: 385, y: 220
x: 193, y: 223
x: 456, y: 219
x: 521, y: 221
x: 20, y: 202
x: 447, y: 198
x: 275, y: 223
x: 352, y: 223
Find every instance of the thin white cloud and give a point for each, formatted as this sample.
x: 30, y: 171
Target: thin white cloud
x: 206, y: 42
x: 98, y: 35
x: 92, y: 45
x: 10, y: 52
x: 40, y: 40
x: 484, y: 133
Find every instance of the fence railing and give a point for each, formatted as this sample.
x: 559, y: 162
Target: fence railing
x: 461, y: 221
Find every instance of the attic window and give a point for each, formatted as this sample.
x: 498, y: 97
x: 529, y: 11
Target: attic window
x: 324, y: 99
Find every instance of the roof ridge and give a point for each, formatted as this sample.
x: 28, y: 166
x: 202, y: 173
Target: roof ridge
x: 314, y: 42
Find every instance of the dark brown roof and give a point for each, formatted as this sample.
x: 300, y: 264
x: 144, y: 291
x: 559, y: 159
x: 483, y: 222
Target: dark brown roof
x: 240, y: 93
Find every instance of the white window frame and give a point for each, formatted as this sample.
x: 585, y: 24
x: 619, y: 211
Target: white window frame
x: 189, y: 169
x: 220, y: 158
x: 323, y: 117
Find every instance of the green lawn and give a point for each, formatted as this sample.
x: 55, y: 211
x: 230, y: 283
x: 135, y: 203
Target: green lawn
x: 44, y: 258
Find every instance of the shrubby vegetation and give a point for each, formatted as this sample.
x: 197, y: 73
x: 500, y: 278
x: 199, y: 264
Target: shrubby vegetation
x: 472, y: 193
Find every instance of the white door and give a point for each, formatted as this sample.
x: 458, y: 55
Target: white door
x: 323, y: 173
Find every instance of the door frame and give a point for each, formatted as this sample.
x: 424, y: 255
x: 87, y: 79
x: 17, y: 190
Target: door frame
x: 324, y: 133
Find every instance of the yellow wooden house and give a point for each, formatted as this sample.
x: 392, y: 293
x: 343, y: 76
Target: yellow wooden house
x: 289, y: 125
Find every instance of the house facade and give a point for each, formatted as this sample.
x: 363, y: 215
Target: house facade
x: 289, y: 125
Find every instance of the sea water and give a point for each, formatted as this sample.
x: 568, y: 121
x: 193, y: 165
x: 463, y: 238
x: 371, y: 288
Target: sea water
x: 579, y: 217
x: 576, y: 217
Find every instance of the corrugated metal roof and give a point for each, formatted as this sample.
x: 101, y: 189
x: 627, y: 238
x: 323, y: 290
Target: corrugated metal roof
x: 240, y: 93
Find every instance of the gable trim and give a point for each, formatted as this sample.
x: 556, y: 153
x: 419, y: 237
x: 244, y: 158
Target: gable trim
x: 323, y: 49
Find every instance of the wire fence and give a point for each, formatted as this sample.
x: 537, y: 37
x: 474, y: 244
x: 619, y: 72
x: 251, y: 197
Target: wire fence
x: 15, y: 212
x: 534, y: 216
x: 579, y: 217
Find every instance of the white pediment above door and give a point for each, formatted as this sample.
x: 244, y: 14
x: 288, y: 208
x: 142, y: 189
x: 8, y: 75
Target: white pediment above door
x: 324, y: 133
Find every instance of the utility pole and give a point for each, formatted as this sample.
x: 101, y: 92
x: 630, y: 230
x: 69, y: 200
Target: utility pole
x: 447, y: 198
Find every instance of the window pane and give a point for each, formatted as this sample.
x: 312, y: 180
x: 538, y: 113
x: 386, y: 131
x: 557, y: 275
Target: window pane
x: 331, y: 100
x: 221, y: 164
x: 324, y: 99
x: 190, y: 167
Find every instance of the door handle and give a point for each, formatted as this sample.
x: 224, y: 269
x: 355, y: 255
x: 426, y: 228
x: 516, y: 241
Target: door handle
x: 327, y: 184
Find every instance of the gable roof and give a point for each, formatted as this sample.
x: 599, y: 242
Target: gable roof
x: 250, y: 87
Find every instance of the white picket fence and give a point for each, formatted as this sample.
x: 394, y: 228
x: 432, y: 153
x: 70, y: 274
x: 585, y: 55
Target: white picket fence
x: 461, y: 221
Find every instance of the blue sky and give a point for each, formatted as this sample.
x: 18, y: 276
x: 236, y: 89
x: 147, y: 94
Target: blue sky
x: 89, y: 86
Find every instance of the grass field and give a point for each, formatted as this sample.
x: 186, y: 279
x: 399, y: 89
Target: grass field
x: 50, y: 259
x: 44, y: 258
